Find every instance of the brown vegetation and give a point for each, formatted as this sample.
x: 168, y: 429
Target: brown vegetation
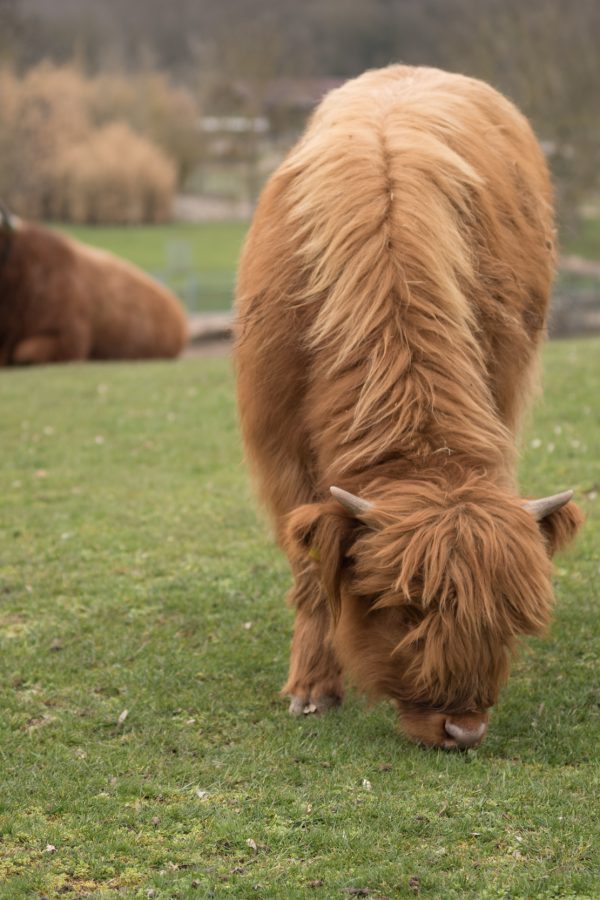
x: 153, y: 107
x: 542, y: 54
x: 106, y: 149
x: 42, y: 115
x: 113, y: 176
x: 392, y: 299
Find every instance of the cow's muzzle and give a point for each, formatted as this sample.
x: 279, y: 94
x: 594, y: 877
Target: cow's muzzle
x: 448, y: 731
x: 465, y: 731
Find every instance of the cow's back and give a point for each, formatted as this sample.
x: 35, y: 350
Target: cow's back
x: 400, y: 259
x: 132, y: 315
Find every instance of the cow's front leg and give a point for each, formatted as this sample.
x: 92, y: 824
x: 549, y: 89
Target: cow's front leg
x: 315, y: 682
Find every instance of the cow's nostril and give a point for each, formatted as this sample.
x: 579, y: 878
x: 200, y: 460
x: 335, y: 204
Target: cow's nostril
x: 465, y: 735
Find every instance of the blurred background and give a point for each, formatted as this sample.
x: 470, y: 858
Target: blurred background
x: 149, y: 127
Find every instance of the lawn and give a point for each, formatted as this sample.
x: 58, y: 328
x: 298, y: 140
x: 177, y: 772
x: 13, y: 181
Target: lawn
x: 144, y: 749
x: 586, y: 242
x: 197, y: 261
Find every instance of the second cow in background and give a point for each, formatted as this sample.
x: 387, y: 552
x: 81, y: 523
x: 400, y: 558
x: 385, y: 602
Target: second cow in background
x: 61, y: 300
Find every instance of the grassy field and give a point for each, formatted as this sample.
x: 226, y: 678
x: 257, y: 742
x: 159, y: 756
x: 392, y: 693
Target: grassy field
x: 144, y: 751
x: 198, y: 261
x: 587, y: 242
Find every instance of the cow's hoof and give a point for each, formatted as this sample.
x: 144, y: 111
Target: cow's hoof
x: 297, y: 705
x: 300, y: 706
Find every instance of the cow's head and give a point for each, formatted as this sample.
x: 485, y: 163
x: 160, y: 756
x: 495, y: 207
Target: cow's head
x: 428, y: 587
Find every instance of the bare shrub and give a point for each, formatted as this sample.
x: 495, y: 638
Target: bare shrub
x: 114, y: 176
x: 105, y: 149
x: 154, y: 107
x: 41, y: 115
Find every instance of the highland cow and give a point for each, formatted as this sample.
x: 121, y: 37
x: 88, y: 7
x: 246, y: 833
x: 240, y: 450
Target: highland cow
x: 392, y: 299
x: 61, y: 300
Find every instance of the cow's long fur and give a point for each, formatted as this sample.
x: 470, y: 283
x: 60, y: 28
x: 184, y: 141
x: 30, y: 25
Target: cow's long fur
x: 392, y: 297
x: 61, y: 300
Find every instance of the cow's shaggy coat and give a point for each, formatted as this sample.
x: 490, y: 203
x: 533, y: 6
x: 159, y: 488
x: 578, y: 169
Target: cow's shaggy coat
x: 392, y: 298
x: 61, y: 300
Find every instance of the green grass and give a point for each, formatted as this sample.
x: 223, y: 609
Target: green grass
x: 586, y: 242
x: 197, y: 261
x: 136, y: 576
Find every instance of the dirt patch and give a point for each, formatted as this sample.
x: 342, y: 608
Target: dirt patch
x: 213, y: 347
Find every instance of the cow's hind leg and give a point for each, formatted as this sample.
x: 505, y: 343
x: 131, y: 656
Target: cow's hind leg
x: 315, y: 681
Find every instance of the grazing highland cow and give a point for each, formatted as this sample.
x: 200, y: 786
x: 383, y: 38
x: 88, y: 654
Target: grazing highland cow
x: 392, y: 300
x: 61, y: 301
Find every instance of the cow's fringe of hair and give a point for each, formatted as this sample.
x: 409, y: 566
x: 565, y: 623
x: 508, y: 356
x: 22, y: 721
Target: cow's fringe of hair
x: 464, y: 569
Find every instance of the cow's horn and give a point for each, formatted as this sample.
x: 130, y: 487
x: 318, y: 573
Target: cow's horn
x: 541, y: 508
x: 355, y: 505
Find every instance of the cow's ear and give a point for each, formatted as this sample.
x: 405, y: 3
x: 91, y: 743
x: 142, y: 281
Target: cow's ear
x: 321, y: 533
x: 300, y: 530
x: 560, y: 527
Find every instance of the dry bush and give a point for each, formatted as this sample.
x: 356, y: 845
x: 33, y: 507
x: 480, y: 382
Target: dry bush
x: 62, y: 133
x: 41, y: 115
x: 115, y: 176
x: 165, y: 114
x: 8, y: 147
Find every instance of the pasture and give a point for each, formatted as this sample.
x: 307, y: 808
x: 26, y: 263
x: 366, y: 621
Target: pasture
x: 198, y: 261
x: 144, y: 749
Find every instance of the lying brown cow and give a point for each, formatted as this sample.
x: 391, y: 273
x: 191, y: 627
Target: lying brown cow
x: 61, y: 300
x: 392, y: 299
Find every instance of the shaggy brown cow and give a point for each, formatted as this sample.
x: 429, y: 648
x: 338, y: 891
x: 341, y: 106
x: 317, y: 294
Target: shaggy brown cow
x: 61, y: 300
x: 392, y: 299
